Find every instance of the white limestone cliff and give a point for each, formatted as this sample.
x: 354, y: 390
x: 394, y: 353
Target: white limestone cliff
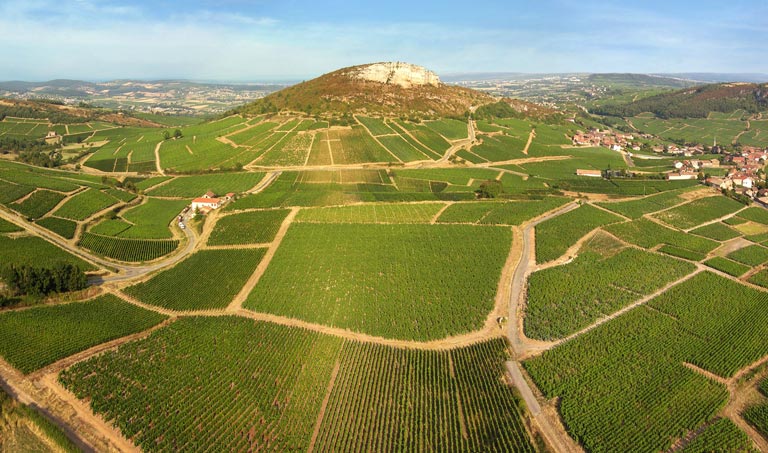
x: 405, y: 75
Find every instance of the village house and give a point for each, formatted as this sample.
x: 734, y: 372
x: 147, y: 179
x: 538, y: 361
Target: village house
x: 206, y: 204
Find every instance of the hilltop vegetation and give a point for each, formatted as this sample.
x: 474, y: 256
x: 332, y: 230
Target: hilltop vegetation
x: 339, y: 93
x: 695, y: 102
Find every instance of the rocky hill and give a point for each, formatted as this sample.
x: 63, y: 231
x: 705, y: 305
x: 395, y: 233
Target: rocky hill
x: 390, y: 88
x: 696, y: 102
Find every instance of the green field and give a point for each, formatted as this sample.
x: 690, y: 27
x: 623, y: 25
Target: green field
x: 257, y: 227
x: 150, y: 219
x: 717, y: 231
x: 564, y: 299
x: 31, y: 339
x: 753, y: 255
x: 634, y: 209
x: 417, y: 282
x: 555, y: 236
x: 207, y: 279
x: 8, y: 227
x: 495, y: 213
x: 265, y: 388
x: 721, y: 436
x: 610, y: 403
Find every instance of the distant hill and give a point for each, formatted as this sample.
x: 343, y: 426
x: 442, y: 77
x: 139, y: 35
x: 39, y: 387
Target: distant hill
x: 58, y: 113
x: 393, y: 89
x: 695, y: 102
x: 640, y: 81
x: 515, y: 108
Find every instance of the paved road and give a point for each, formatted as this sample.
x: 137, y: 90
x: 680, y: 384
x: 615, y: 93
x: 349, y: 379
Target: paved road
x: 519, y: 343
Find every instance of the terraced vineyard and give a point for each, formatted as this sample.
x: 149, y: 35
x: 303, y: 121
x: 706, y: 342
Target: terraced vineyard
x: 31, y: 339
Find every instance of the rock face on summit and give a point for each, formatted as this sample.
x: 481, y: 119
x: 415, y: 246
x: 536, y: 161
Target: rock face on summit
x: 405, y: 75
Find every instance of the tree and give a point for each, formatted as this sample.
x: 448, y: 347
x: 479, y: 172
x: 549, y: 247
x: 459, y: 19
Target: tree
x: 177, y: 133
x: 489, y: 189
x: 166, y: 135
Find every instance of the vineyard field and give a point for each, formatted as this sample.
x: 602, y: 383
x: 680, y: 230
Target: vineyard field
x: 387, y: 399
x: 31, y: 339
x: 418, y: 282
x: 729, y: 267
x: 257, y: 227
x: 555, y: 236
x: 207, y: 279
x: 699, y: 211
x: 38, y: 203
x: 648, y: 234
x: 34, y: 251
x: 196, y: 186
x: 63, y: 227
x: 637, y: 395
x: 634, y: 209
x: 717, y: 231
x: 753, y: 255
x: 85, y: 204
x: 372, y: 213
x: 8, y: 227
x: 565, y: 299
x: 721, y: 436
x: 130, y: 250
x: 263, y: 385
x: 150, y: 220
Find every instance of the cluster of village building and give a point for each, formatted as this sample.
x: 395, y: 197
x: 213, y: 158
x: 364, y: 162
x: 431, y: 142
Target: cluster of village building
x: 746, y: 170
x: 745, y: 167
x: 616, y: 141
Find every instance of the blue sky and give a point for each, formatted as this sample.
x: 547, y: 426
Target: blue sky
x: 239, y: 40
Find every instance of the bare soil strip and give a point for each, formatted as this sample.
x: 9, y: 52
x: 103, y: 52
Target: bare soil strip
x: 323, y: 407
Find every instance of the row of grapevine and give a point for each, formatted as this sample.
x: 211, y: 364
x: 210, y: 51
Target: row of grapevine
x: 387, y: 399
x: 131, y: 250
